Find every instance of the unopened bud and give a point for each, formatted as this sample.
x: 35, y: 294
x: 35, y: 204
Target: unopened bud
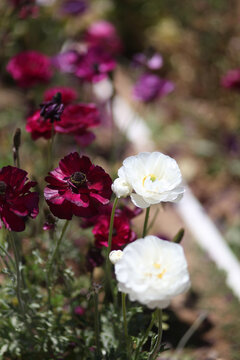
x: 17, y: 138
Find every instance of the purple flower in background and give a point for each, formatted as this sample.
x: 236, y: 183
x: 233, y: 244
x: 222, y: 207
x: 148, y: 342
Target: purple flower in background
x: 74, y: 7
x: 52, y: 109
x: 66, y: 61
x: 149, y: 87
x: 153, y: 62
x: 94, y: 65
x: 231, y: 80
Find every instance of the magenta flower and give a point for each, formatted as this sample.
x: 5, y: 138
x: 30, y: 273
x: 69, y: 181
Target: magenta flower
x: 153, y: 62
x: 16, y: 200
x: 76, y: 120
x: 94, y: 65
x: 66, y: 61
x: 77, y: 187
x: 103, y: 34
x: 151, y: 87
x: 231, y: 80
x: 68, y: 94
x: 29, y: 68
x: 38, y: 127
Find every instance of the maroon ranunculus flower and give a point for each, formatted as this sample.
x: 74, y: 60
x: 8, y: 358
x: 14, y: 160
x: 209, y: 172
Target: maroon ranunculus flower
x: 77, y: 187
x: 38, y: 126
x: 17, y: 202
x: 76, y: 119
x: 94, y: 65
x: 122, y: 233
x: 29, y: 68
x: 150, y: 87
x: 68, y: 94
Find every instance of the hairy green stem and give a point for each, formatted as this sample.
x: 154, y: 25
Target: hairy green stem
x: 154, y: 352
x: 18, y: 273
x: 96, y: 325
x: 124, y: 313
x: 55, y: 252
x: 146, y: 222
x: 144, y: 338
x: 108, y: 263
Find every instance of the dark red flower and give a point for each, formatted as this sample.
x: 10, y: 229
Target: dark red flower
x: 122, y: 233
x: 52, y: 110
x: 68, y: 94
x: 103, y: 34
x: 29, y: 68
x: 76, y: 120
x: 38, y: 126
x: 25, y: 8
x: 77, y: 187
x: 94, y: 65
x: 16, y: 200
x: 94, y: 258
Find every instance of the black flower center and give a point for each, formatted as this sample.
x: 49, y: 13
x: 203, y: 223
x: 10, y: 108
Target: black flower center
x: 78, y: 179
x: 3, y: 187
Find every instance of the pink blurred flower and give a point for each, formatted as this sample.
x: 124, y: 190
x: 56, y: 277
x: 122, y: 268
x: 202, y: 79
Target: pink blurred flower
x: 94, y: 65
x: 231, y: 80
x: 68, y: 94
x: 152, y: 62
x: 66, y: 61
x: 29, y: 68
x: 17, y: 202
x: 103, y: 34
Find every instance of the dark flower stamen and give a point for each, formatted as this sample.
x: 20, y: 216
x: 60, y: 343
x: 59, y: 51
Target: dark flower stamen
x: 52, y: 109
x: 78, y: 178
x: 3, y: 187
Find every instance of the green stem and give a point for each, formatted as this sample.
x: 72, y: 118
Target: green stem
x: 50, y: 148
x: 8, y: 255
x: 154, y: 352
x: 108, y: 263
x: 96, y: 325
x: 144, y: 338
x: 124, y: 313
x: 146, y: 222
x: 17, y: 266
x: 55, y: 252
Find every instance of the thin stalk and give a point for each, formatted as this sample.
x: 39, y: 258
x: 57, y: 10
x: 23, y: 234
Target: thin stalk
x: 124, y: 313
x: 8, y: 255
x: 154, y: 352
x: 146, y: 222
x: 96, y: 325
x: 144, y: 338
x: 18, y: 273
x: 108, y: 263
x: 55, y: 252
x: 50, y: 148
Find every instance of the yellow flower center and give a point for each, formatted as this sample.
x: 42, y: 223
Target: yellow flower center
x: 151, y: 176
x: 158, y: 275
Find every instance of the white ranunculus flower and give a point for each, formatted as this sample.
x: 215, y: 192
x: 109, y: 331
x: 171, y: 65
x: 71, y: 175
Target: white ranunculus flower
x: 152, y: 177
x: 115, y: 256
x: 152, y: 271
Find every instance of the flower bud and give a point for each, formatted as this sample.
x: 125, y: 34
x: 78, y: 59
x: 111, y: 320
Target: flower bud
x: 115, y: 256
x: 121, y: 188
